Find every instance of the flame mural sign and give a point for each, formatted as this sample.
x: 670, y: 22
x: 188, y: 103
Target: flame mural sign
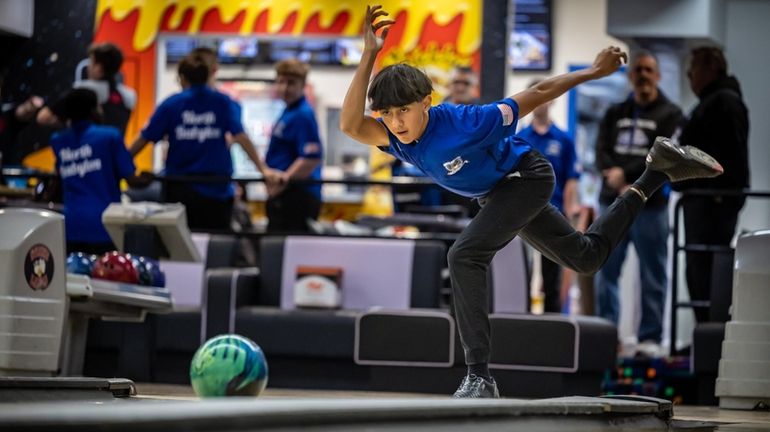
x: 436, y: 35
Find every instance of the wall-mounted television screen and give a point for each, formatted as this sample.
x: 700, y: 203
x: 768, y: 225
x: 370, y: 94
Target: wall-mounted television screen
x: 178, y: 47
x: 334, y: 52
x: 348, y: 52
x: 237, y: 50
x: 529, y: 47
x: 253, y: 50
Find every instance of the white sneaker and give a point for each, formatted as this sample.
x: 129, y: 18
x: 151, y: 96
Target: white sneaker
x: 627, y: 347
x: 649, y: 349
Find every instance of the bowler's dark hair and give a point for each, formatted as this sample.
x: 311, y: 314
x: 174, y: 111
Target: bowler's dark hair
x: 398, y: 85
x: 710, y: 57
x: 81, y: 104
x: 194, y: 68
x: 109, y: 56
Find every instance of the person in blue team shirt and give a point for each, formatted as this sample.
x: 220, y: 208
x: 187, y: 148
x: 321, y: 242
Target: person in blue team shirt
x: 559, y: 149
x: 210, y: 56
x: 295, y: 150
x: 195, y: 122
x: 473, y: 151
x: 91, y: 160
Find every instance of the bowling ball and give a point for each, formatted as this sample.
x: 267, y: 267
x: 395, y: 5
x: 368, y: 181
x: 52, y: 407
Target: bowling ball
x: 145, y: 278
x: 228, y: 365
x: 116, y: 267
x: 79, y: 263
x: 157, y: 276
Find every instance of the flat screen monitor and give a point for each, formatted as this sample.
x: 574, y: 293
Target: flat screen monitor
x: 348, y: 52
x: 530, y: 44
x: 237, y: 50
x: 178, y: 47
x: 333, y: 52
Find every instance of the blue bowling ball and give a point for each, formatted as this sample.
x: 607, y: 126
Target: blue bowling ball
x: 79, y: 263
x: 157, y: 277
x: 145, y: 277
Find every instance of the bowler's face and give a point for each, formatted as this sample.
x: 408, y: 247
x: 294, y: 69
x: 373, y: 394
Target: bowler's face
x: 407, y: 122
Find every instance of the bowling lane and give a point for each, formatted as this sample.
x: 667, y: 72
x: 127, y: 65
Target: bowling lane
x: 165, y: 407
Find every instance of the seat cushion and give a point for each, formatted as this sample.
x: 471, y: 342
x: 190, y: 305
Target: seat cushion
x: 300, y: 333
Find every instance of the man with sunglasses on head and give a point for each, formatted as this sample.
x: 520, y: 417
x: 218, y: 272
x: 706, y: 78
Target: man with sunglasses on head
x: 626, y: 135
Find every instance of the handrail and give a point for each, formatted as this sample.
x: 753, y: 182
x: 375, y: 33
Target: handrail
x: 687, y: 195
x: 395, y: 181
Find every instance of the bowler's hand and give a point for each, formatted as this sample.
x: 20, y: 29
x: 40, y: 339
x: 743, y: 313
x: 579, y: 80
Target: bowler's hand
x: 608, y: 61
x: 372, y: 42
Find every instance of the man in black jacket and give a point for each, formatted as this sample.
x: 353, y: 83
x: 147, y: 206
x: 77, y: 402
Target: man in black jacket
x: 626, y: 135
x: 719, y: 125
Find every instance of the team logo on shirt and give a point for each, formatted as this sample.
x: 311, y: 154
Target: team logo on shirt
x: 553, y: 148
x: 78, y: 161
x: 454, y: 165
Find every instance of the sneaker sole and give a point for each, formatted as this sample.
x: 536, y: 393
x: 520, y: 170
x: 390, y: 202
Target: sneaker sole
x: 693, y: 161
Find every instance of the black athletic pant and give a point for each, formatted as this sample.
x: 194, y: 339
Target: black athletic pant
x: 203, y: 213
x: 551, y: 274
x: 518, y: 205
x: 707, y: 221
x: 289, y: 211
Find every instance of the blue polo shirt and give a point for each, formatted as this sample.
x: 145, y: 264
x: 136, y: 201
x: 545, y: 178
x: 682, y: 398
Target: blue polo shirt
x: 195, y: 121
x: 466, y: 149
x: 295, y: 135
x: 91, y: 159
x: 559, y: 149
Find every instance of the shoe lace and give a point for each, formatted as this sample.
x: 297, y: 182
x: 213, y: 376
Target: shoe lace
x: 470, y: 386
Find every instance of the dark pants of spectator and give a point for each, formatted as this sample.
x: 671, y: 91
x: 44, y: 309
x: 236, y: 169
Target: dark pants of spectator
x: 289, y: 211
x: 203, y: 213
x: 707, y: 221
x: 551, y: 273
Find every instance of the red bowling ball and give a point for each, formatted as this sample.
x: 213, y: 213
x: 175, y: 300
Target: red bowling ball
x: 116, y: 267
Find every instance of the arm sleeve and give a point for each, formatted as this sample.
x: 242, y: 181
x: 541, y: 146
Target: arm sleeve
x: 491, y: 122
x: 234, y: 124
x: 306, y: 139
x: 158, y: 125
